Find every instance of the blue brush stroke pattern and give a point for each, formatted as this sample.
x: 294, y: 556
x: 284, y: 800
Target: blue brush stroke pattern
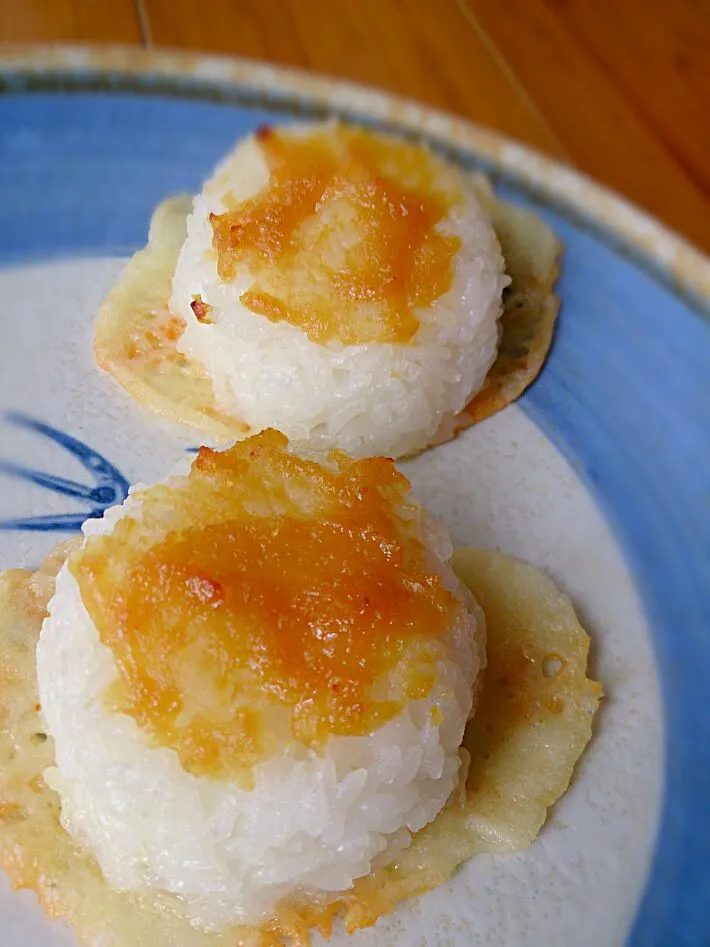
x: 109, y: 488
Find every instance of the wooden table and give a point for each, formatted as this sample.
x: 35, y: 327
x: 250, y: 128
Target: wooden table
x: 618, y: 88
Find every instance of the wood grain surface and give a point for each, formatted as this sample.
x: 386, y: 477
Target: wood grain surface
x: 70, y: 21
x: 618, y: 88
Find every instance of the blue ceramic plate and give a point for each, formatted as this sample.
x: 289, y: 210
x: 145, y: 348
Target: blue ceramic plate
x: 599, y: 474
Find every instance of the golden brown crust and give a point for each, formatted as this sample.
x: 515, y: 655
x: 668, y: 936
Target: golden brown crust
x: 532, y: 253
x: 536, y: 703
x: 389, y: 194
x: 136, y: 335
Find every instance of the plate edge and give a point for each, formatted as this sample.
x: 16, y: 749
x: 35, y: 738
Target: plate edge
x: 670, y: 251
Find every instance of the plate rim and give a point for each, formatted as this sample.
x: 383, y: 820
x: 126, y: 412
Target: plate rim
x: 673, y: 255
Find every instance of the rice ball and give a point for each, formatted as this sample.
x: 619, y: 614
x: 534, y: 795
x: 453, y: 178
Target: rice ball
x: 342, y: 286
x: 257, y: 676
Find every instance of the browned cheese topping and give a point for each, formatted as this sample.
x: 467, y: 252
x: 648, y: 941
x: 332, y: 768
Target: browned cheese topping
x: 342, y: 241
x: 267, y: 593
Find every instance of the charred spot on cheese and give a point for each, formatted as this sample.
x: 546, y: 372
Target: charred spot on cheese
x: 266, y: 591
x: 201, y: 310
x: 342, y: 241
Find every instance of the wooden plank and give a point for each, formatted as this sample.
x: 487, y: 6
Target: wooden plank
x: 625, y: 85
x: 69, y: 21
x: 405, y: 46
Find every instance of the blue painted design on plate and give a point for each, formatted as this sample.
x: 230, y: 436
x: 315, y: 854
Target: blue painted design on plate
x: 110, y: 486
x: 625, y: 394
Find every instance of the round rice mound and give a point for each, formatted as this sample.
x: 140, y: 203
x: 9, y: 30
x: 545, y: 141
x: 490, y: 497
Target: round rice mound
x: 367, y: 399
x: 311, y: 823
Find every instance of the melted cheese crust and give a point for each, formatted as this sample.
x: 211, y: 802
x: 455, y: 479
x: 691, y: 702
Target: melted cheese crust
x: 343, y: 240
x: 267, y: 598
